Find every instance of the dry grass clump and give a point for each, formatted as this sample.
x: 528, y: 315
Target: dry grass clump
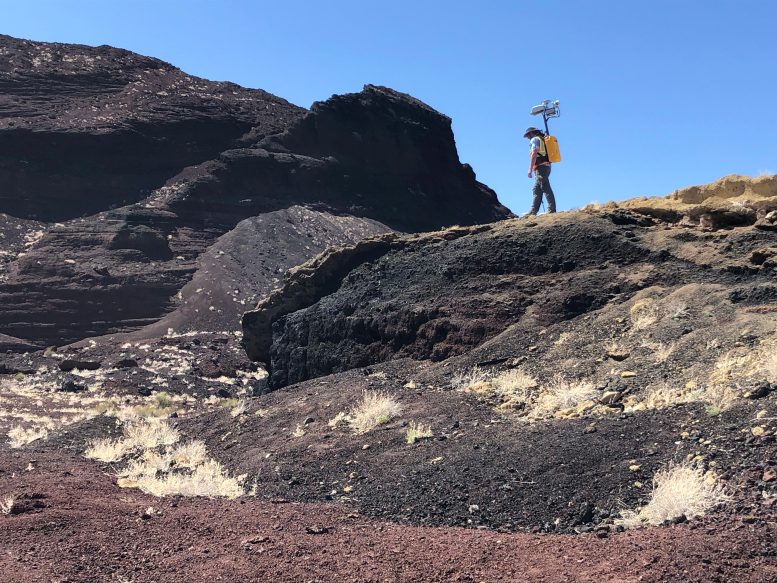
x: 376, y: 408
x: 140, y: 435
x: 239, y: 409
x: 511, y: 385
x: 341, y: 417
x: 163, y: 467
x: 153, y: 476
x: 661, y: 351
x: 743, y: 363
x: 720, y: 397
x: 679, y: 490
x: 189, y: 455
x: 513, y: 382
x: 769, y: 365
x: 19, y: 436
x: 644, y: 314
x: 469, y: 379
x: 7, y: 504
x: 717, y: 398
x: 416, y: 431
x: 150, y: 433
x: 664, y: 396
x: 562, y: 396
x: 514, y: 389
x: 107, y: 450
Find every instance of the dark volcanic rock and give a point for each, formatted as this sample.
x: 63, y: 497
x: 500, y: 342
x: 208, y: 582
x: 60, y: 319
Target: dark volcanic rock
x: 436, y: 296
x: 88, y: 129
x: 84, y: 128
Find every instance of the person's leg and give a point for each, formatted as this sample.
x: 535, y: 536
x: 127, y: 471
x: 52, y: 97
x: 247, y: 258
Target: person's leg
x: 537, y: 193
x: 548, y: 190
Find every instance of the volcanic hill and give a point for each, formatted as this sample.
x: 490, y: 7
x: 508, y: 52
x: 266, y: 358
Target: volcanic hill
x: 422, y: 387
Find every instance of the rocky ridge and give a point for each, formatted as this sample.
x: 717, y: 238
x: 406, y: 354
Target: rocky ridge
x: 196, y: 158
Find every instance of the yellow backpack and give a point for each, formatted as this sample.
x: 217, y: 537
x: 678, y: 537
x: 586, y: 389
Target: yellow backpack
x: 551, y: 147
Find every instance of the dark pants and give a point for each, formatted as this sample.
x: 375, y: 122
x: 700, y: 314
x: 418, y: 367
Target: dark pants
x: 542, y: 185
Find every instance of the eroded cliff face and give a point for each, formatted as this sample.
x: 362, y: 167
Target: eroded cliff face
x: 87, y: 128
x: 121, y: 171
x: 445, y: 294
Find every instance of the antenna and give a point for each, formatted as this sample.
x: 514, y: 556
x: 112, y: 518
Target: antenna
x: 548, y: 109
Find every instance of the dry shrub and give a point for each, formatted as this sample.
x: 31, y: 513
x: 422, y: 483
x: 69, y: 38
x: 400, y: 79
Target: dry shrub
x: 150, y: 433
x: 720, y: 397
x: 644, y: 313
x: 107, y: 450
x: 661, y: 351
x: 513, y: 382
x: 376, y: 408
x: 7, y: 504
x: 341, y: 417
x: 19, y: 436
x: 679, y: 490
x: 467, y: 379
x: 239, y: 409
x: 416, y: 431
x: 561, y: 394
x: 208, y: 479
x: 189, y: 455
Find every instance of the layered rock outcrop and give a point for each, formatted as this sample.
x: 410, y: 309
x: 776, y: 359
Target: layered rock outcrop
x: 83, y: 128
x: 87, y: 130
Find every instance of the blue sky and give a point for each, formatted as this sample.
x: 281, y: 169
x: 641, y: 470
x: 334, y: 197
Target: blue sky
x: 655, y: 95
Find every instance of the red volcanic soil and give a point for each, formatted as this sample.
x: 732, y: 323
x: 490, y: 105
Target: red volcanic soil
x: 73, y: 524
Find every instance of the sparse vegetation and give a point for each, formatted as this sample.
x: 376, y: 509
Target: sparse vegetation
x: 150, y: 433
x: 517, y: 390
x: 562, y: 395
x: 416, y: 431
x: 341, y: 417
x: 644, y: 314
x: 208, y: 479
x: 679, y: 490
x: 163, y: 468
x: 664, y: 396
x: 19, y: 436
x: 107, y: 450
x: 661, y: 352
x: 7, y: 504
x: 239, y: 409
x: 468, y: 379
x: 163, y: 399
x: 376, y: 408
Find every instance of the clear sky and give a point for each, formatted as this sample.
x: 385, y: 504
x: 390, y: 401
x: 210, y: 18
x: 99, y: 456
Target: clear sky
x: 655, y: 94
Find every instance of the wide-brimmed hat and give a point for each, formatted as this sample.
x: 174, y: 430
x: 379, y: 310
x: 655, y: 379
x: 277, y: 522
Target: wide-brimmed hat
x: 530, y: 130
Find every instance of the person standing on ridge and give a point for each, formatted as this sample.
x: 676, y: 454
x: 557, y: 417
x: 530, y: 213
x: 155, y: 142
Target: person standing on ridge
x: 539, y: 165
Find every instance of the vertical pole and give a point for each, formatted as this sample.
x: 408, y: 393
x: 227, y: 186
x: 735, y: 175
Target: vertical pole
x: 545, y: 119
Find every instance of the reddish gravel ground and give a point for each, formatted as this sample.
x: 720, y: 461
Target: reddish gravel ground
x: 76, y: 525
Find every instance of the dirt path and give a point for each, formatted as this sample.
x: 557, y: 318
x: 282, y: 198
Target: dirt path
x: 86, y: 529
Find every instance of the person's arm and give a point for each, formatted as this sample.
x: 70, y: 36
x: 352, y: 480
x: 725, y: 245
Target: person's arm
x: 532, y: 159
